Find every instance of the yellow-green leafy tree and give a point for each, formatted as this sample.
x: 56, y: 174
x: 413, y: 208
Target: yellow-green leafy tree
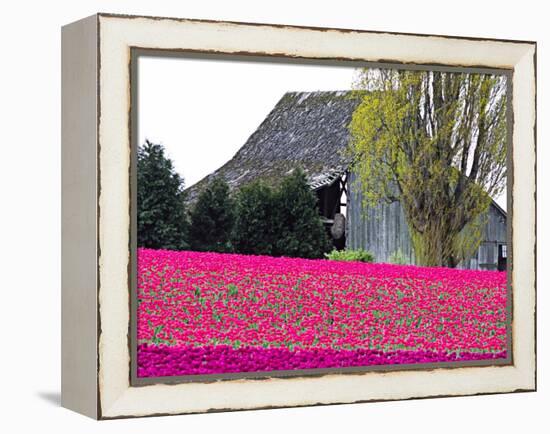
x: 436, y: 142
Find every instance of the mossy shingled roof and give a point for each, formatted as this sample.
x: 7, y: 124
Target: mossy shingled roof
x: 305, y: 129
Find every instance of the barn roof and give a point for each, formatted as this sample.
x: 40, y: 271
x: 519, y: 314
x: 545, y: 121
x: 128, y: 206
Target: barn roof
x: 498, y: 208
x: 304, y: 129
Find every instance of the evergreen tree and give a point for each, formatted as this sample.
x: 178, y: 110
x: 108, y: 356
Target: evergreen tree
x: 212, y: 219
x: 255, y: 220
x: 299, y: 229
x: 161, y: 215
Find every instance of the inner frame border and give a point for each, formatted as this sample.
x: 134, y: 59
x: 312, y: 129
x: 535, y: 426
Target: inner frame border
x: 137, y: 52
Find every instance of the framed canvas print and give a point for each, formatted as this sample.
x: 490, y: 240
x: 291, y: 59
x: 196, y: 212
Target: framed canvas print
x: 261, y: 216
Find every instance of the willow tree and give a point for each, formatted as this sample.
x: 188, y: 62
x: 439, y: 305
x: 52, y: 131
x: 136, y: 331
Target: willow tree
x: 435, y: 142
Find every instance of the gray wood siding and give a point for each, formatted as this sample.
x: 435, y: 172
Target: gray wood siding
x: 495, y: 230
x: 383, y: 230
x: 486, y: 257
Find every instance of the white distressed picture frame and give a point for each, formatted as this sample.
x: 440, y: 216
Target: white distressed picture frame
x: 96, y: 214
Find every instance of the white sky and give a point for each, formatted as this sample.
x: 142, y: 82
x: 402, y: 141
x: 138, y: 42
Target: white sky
x: 204, y: 110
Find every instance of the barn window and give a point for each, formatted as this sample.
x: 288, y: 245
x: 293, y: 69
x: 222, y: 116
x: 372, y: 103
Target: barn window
x: 502, y: 255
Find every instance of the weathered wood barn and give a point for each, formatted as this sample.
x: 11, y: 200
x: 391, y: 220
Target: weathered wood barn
x: 310, y: 130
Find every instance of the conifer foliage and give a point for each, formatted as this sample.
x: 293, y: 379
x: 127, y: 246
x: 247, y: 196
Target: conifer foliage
x: 212, y: 219
x: 255, y: 224
x: 258, y: 219
x: 299, y: 229
x: 161, y: 213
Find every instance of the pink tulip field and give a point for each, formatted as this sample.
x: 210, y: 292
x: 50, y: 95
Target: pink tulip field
x: 212, y: 313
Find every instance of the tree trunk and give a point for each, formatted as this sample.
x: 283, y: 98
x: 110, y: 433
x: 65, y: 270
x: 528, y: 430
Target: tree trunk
x: 435, y: 246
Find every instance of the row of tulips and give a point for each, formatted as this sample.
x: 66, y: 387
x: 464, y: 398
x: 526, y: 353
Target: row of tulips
x: 160, y: 360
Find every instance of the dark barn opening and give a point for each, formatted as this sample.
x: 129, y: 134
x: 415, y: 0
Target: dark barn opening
x: 329, y: 200
x: 331, y: 209
x: 502, y: 257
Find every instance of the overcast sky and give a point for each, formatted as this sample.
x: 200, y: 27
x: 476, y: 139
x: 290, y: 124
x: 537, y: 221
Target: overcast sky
x: 204, y: 110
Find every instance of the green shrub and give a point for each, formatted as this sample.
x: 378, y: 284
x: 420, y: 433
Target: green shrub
x: 212, y: 219
x: 161, y: 212
x: 398, y: 258
x: 255, y: 220
x: 359, y: 255
x: 298, y: 228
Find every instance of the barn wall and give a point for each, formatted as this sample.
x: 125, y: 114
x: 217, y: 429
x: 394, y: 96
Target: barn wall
x: 383, y: 230
x: 486, y: 257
